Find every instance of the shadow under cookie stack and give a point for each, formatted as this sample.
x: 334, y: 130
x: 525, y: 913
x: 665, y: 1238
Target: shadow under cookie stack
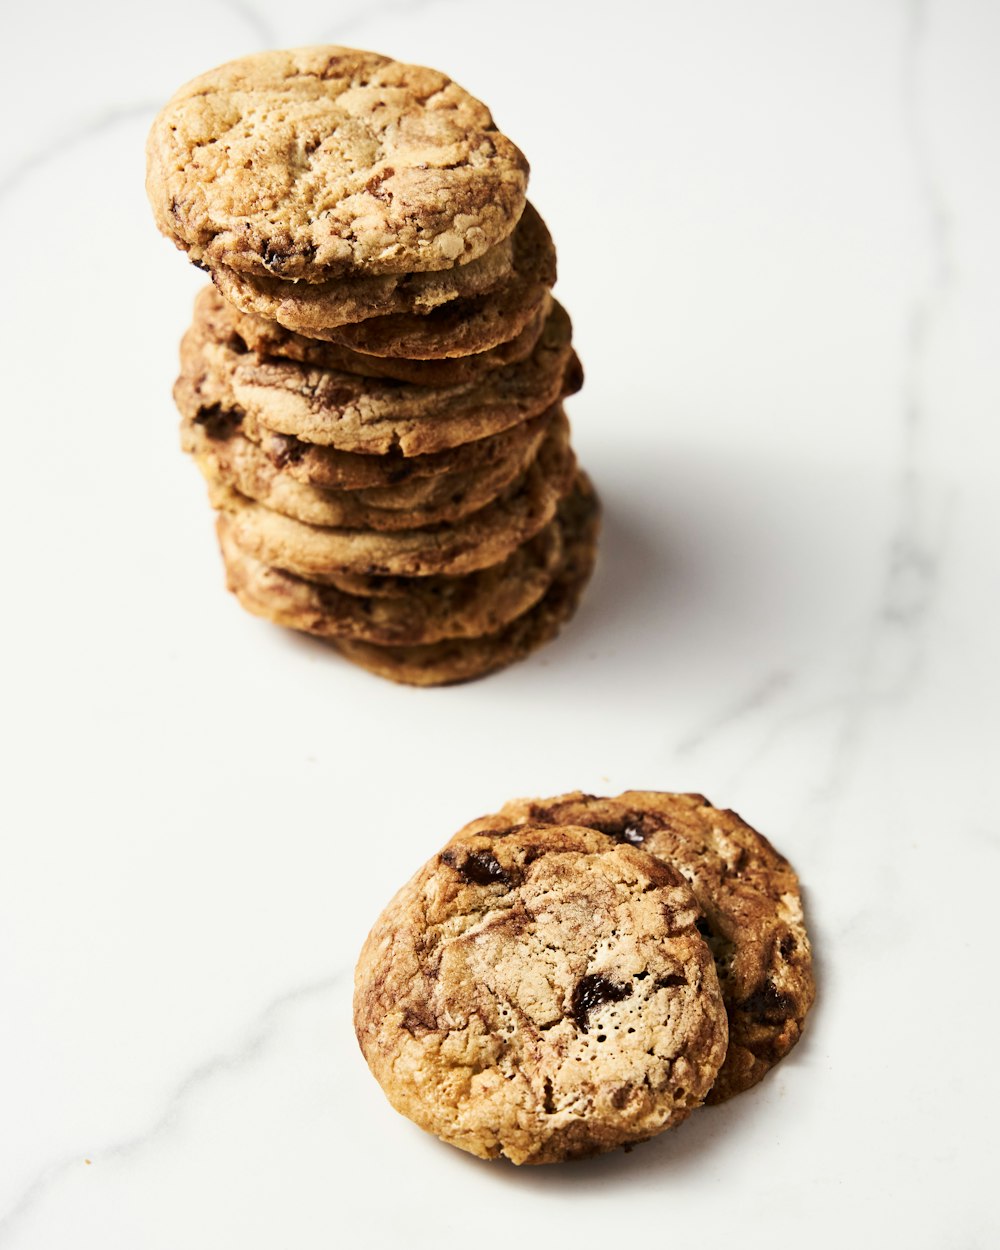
x: 373, y: 385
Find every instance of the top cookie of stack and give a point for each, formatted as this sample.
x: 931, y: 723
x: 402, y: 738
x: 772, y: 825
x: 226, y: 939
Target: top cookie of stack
x: 312, y: 164
x: 385, y: 321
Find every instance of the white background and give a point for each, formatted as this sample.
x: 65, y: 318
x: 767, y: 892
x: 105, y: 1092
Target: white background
x: 777, y: 237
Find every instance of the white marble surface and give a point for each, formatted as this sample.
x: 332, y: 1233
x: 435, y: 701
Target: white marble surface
x: 777, y: 233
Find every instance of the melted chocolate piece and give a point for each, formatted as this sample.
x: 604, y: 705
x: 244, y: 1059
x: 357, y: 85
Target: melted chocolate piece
x: 619, y: 830
x: 671, y: 980
x: 216, y: 421
x: 573, y: 377
x: 478, y: 868
x: 283, y: 450
x: 278, y: 254
x: 620, y: 1097
x: 591, y: 992
x: 768, y: 1005
x: 417, y: 1023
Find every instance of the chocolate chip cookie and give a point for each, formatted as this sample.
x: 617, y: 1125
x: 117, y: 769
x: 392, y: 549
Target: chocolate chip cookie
x: 541, y: 994
x: 242, y: 464
x: 269, y: 339
x: 477, y: 541
x: 424, y: 611
x: 328, y: 408
x: 751, y: 911
x: 372, y: 387
x: 462, y: 659
x: 318, y: 161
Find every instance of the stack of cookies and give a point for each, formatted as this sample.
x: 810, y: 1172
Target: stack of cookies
x: 578, y: 973
x: 373, y: 385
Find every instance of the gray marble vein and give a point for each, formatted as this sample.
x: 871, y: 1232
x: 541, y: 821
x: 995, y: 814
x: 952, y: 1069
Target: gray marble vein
x: 263, y: 1030
x: 759, y: 698
x: 892, y: 654
x: 889, y: 656
x: 54, y: 147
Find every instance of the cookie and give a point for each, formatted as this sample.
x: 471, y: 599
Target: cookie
x: 541, y: 994
x: 460, y: 327
x: 226, y: 454
x: 464, y: 327
x: 751, y: 911
x: 463, y: 659
x: 431, y: 609
x: 484, y: 538
x: 319, y: 161
x: 268, y: 339
x: 210, y: 405
x: 309, y: 307
x: 372, y: 416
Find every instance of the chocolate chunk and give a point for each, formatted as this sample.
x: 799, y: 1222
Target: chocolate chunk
x: 573, y: 377
x: 620, y: 831
x: 216, y: 421
x: 591, y: 992
x: 671, y: 980
x: 272, y: 254
x: 478, y: 868
x: 768, y: 1005
x: 282, y: 450
x: 417, y: 1023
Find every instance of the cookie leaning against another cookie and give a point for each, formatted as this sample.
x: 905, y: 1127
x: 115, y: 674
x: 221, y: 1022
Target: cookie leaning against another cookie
x: 749, y: 895
x: 321, y: 160
x: 540, y: 994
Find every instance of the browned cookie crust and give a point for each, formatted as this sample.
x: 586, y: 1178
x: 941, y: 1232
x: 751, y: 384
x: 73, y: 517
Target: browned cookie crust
x: 484, y: 538
x: 751, y: 911
x: 416, y: 476
x: 461, y: 327
x: 317, y: 307
x: 431, y: 609
x: 371, y: 416
x: 321, y: 160
x: 225, y: 454
x: 270, y: 340
x: 463, y: 659
x: 209, y: 404
x: 540, y: 994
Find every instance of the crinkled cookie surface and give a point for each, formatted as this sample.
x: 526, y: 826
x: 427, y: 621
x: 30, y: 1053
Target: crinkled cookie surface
x: 541, y: 994
x: 306, y: 163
